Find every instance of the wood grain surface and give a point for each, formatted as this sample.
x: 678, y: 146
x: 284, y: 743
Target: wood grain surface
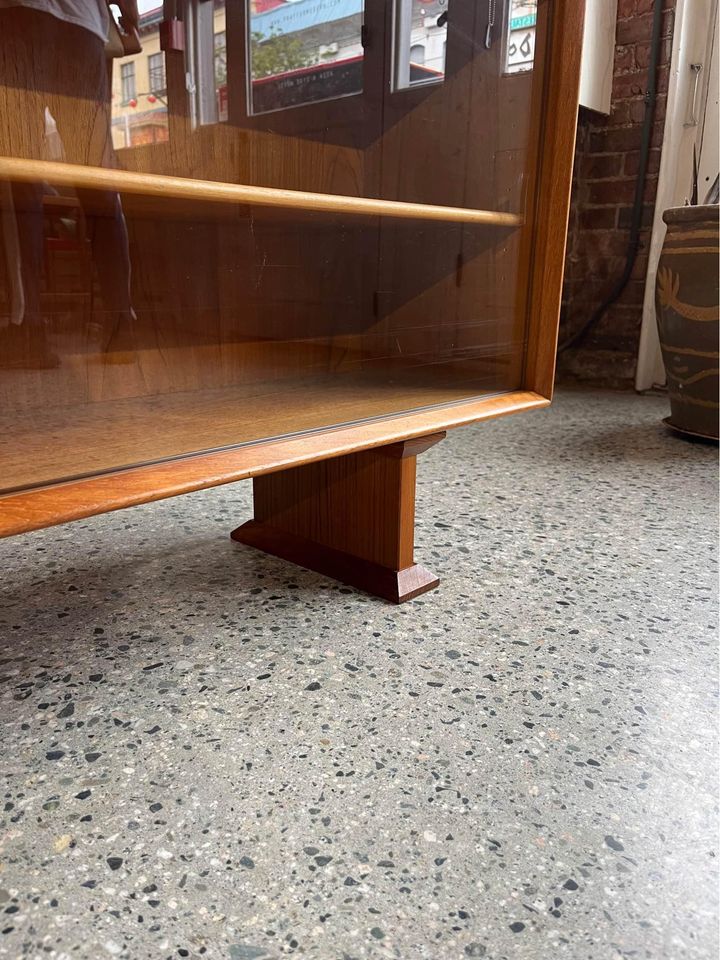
x: 59, y: 503
x: 154, y: 185
x: 351, y: 517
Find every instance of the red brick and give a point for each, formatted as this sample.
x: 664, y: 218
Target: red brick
x: 624, y: 215
x: 617, y: 328
x: 642, y: 53
x: 597, y: 218
x: 615, y: 141
x: 573, y: 281
x: 632, y: 29
x: 572, y: 289
x: 597, y: 245
x: 602, y: 167
x: 626, y: 9
x: 620, y: 114
x: 650, y: 188
x: 629, y: 85
x: 624, y: 59
x: 658, y: 133
x: 640, y: 267
x: 601, y: 244
x: 632, y: 161
x: 606, y: 192
x: 663, y: 77
x: 592, y: 288
x: 636, y: 109
x: 639, y: 28
x: 618, y: 321
x: 624, y: 315
x: 583, y: 131
x: 650, y: 180
x: 634, y: 293
x: 603, y: 271
x: 647, y: 6
x: 610, y: 362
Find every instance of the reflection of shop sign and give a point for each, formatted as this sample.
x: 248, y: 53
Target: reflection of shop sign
x: 292, y: 17
x: 307, y: 85
x: 521, y: 44
x: 522, y: 23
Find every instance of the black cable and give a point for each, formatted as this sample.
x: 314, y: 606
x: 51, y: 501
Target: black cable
x: 637, y: 209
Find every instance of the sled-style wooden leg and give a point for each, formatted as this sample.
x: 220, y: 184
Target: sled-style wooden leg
x: 351, y: 518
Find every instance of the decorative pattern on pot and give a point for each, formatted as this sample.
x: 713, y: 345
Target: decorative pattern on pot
x: 688, y: 316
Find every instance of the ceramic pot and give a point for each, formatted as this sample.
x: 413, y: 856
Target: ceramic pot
x: 688, y: 317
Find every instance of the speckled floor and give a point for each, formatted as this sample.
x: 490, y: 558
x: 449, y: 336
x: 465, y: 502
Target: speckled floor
x: 208, y: 753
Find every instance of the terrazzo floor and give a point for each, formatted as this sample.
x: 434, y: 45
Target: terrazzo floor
x: 209, y: 753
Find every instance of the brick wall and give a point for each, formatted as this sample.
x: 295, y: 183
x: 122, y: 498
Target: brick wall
x: 606, y: 165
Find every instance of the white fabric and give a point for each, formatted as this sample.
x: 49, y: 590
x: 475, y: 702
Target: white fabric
x: 92, y: 15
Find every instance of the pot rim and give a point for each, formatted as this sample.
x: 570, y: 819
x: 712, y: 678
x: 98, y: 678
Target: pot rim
x: 685, y: 214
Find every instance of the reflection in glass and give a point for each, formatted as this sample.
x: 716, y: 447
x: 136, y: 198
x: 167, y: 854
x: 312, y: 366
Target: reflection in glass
x: 220, y: 63
x: 156, y: 72
x: 239, y: 321
x: 242, y: 328
x: 139, y: 96
x: 420, y: 42
x: 520, y: 50
x: 55, y: 104
x: 303, y: 52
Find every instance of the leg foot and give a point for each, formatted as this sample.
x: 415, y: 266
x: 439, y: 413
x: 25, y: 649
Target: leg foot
x: 350, y: 518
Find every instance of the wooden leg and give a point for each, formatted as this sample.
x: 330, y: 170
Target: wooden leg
x: 351, y: 518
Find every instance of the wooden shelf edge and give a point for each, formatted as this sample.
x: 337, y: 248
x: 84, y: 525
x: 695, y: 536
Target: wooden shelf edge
x: 74, y: 500
x: 182, y: 188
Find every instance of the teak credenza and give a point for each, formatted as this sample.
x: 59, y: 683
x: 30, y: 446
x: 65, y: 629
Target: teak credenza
x: 303, y: 266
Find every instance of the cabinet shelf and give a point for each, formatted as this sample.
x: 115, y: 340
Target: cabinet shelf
x: 182, y: 188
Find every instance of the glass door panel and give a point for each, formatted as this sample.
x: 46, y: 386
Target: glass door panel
x: 141, y: 320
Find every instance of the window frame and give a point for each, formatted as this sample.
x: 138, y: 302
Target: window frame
x: 158, y: 57
x: 402, y: 47
x: 128, y: 77
x: 331, y: 111
x: 218, y: 50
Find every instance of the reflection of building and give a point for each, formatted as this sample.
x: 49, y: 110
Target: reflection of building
x: 139, y: 102
x: 427, y: 39
x: 311, y: 50
x: 139, y: 108
x: 312, y: 47
x: 328, y: 31
x: 311, y: 31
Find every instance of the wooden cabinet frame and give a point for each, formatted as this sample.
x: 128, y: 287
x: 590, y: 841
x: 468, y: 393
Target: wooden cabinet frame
x: 398, y: 438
